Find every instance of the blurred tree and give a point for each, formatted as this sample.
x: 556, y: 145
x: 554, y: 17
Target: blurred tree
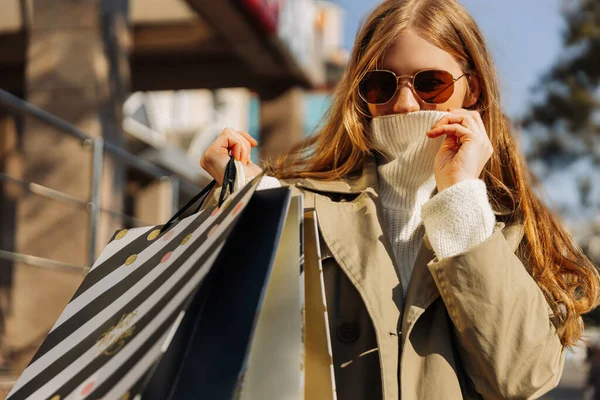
x: 564, y: 124
x: 569, y: 109
x: 584, y: 185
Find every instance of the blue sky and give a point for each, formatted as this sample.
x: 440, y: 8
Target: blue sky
x: 523, y: 35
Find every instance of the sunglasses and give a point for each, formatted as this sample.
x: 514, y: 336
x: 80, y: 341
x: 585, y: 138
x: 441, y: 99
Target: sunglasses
x: 431, y: 86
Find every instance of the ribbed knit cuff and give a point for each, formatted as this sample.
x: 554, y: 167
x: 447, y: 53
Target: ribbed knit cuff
x: 458, y: 218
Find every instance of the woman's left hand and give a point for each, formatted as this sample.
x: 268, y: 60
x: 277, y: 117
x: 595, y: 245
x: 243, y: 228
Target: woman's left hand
x: 458, y: 161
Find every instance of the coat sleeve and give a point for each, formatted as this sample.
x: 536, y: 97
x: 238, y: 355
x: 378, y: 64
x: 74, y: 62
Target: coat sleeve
x: 506, y: 340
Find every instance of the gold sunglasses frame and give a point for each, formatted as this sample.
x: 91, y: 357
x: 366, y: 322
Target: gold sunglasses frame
x: 412, y: 84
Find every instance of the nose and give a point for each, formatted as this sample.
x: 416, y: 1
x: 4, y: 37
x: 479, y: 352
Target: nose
x: 405, y: 100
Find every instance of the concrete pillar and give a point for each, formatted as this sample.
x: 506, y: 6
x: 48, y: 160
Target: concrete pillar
x: 153, y: 202
x: 281, y: 123
x: 11, y: 164
x: 76, y: 69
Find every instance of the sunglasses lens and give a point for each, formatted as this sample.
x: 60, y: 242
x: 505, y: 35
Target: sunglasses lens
x: 378, y: 87
x: 434, y: 86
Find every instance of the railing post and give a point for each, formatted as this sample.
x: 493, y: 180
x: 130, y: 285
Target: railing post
x: 175, y: 188
x: 95, y: 206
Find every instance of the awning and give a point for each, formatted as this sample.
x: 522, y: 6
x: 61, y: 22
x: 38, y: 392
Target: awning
x: 184, y: 44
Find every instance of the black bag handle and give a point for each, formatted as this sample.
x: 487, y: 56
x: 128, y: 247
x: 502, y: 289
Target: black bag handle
x: 228, y: 183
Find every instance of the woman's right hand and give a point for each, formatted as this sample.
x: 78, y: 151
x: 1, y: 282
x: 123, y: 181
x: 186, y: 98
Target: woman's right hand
x: 215, y: 158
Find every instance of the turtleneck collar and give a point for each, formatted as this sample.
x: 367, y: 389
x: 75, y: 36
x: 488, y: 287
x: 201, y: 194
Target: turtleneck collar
x: 405, y: 176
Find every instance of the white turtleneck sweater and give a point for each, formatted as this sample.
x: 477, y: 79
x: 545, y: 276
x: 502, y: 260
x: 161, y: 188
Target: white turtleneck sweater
x: 455, y: 219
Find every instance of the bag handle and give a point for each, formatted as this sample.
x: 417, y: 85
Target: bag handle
x: 228, y: 183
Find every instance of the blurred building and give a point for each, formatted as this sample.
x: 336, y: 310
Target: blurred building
x: 156, y: 79
x: 180, y: 124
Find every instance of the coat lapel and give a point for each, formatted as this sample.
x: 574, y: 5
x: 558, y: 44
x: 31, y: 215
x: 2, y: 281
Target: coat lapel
x: 353, y: 230
x: 422, y: 290
x: 353, y: 233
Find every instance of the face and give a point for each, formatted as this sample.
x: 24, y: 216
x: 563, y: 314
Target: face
x: 409, y: 54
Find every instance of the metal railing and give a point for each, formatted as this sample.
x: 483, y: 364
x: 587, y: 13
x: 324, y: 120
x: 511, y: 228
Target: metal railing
x: 98, y: 147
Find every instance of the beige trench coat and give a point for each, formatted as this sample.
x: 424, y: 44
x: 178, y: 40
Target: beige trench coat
x: 475, y: 325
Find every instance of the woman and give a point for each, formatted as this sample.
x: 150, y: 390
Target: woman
x: 446, y: 276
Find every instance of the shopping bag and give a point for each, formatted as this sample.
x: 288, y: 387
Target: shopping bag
x: 238, y: 349
x: 290, y: 353
x: 120, y: 322
x: 206, y: 307
x: 276, y: 358
x: 319, y: 372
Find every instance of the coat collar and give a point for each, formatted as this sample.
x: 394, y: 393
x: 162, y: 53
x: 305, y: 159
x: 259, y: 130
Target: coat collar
x: 364, y: 179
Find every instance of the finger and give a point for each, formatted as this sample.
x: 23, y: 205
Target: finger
x: 451, y: 119
x: 233, y: 139
x: 246, y: 148
x: 250, y: 142
x: 236, y: 151
x: 246, y: 135
x: 226, y: 133
x: 445, y: 120
x: 245, y: 157
x: 452, y: 129
x: 470, y: 115
x: 452, y: 142
x: 226, y: 140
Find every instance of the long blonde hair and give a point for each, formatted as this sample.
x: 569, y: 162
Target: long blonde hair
x: 567, y: 278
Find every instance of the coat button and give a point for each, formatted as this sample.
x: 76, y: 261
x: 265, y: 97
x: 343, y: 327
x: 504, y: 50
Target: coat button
x: 348, y: 332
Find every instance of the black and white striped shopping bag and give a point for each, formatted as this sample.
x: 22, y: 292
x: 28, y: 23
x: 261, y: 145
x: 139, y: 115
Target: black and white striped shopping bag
x: 121, y: 319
